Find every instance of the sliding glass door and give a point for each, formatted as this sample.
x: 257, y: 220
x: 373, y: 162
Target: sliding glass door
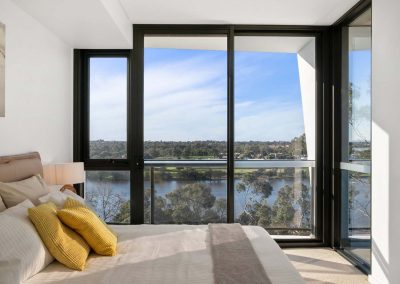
x: 275, y: 133
x: 355, y: 165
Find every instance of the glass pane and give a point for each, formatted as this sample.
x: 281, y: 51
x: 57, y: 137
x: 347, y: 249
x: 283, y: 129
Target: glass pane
x: 275, y: 120
x: 356, y: 182
x: 186, y: 195
x: 278, y: 199
x: 108, y: 192
x: 356, y: 227
x: 359, y: 89
x: 274, y: 98
x: 108, y: 108
x: 185, y: 97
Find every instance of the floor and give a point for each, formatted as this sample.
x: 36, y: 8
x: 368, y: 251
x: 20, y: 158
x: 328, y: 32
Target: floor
x: 323, y: 265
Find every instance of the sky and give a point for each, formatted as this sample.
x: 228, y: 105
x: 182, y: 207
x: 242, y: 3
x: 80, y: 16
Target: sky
x: 360, y: 77
x: 108, y: 99
x: 185, y: 96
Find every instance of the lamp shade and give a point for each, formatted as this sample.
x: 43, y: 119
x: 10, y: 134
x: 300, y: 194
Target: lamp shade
x: 60, y: 174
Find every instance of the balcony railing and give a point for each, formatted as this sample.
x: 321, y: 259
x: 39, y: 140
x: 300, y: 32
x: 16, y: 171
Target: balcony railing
x: 242, y: 164
x: 153, y: 165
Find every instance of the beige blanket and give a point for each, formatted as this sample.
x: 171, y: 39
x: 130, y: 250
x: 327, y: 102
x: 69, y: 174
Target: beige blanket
x: 167, y: 254
x: 234, y: 259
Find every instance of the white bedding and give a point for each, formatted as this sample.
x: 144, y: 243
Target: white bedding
x: 167, y: 254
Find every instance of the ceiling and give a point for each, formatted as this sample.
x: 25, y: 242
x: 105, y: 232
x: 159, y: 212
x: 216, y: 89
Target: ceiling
x: 267, y: 12
x: 108, y: 23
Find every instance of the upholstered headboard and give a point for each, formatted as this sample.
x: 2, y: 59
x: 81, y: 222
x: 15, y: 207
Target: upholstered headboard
x: 19, y: 167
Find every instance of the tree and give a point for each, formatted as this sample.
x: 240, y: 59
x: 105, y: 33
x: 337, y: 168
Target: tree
x: 190, y: 203
x: 124, y: 213
x: 283, y: 210
x: 105, y: 201
x: 257, y: 189
x: 304, y: 203
x: 298, y: 146
x: 361, y: 205
x: 220, y: 209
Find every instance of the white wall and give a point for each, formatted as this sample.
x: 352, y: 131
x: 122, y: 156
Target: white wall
x: 38, y: 89
x: 386, y: 142
x: 306, y: 65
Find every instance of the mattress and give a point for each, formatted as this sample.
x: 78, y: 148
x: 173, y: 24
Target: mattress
x: 167, y: 254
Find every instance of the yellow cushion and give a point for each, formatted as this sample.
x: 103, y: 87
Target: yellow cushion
x: 71, y: 203
x: 64, y: 244
x: 86, y: 223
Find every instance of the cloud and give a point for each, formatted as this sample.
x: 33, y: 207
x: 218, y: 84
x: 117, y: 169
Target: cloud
x: 186, y: 99
x: 108, y: 106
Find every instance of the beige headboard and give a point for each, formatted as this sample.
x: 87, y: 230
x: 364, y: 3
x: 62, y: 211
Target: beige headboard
x: 19, y: 167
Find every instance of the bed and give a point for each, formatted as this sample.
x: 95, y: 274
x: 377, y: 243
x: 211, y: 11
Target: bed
x: 167, y: 253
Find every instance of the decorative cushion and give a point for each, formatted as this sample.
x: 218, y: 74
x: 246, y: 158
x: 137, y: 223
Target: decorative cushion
x: 63, y: 243
x: 87, y: 224
x: 2, y: 205
x: 20, y: 244
x: 71, y: 203
x: 14, y: 193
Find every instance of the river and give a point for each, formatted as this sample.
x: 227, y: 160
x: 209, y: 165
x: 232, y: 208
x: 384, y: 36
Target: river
x: 219, y: 190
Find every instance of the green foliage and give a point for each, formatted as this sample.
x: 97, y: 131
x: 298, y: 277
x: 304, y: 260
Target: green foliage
x: 101, y: 149
x: 298, y: 146
x: 304, y: 203
x: 108, y: 176
x: 294, y: 149
x: 257, y: 189
x: 190, y: 203
x: 124, y: 213
x: 283, y: 210
x: 257, y: 183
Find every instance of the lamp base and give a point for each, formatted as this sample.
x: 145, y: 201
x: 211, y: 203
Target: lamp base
x: 69, y: 187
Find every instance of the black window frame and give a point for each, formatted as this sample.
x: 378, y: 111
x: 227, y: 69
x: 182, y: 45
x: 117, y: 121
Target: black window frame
x: 135, y: 163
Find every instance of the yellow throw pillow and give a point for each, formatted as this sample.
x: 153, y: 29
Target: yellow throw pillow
x: 86, y: 223
x: 64, y: 244
x: 71, y: 203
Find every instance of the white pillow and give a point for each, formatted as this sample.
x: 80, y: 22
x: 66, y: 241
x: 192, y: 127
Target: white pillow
x: 9, y: 271
x: 2, y: 205
x: 59, y: 198
x: 16, y: 192
x: 19, y: 241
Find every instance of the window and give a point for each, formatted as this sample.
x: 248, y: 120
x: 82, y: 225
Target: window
x: 203, y: 124
x: 104, y: 133
x: 185, y: 95
x: 185, y: 120
x: 108, y: 107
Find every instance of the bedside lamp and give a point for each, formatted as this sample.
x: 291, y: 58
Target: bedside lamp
x: 65, y: 174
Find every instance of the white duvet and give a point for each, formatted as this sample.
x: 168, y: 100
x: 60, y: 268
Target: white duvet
x: 167, y: 254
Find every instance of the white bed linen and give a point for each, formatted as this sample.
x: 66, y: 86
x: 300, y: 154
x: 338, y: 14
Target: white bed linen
x: 167, y: 254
